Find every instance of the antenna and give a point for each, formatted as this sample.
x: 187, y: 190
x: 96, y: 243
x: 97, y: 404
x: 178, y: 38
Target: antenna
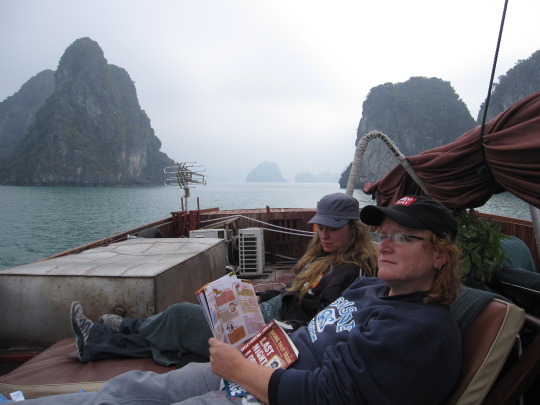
x: 186, y: 175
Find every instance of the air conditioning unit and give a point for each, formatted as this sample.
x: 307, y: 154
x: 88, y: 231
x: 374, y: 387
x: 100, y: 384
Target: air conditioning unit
x: 211, y: 233
x: 251, y: 251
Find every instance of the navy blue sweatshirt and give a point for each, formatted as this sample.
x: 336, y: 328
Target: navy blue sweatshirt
x: 369, y: 348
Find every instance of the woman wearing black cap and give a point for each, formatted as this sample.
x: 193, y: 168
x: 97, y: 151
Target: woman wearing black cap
x: 341, y: 250
x: 406, y: 230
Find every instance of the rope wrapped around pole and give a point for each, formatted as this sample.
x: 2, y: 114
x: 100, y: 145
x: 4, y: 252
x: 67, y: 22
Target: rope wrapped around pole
x: 359, y: 153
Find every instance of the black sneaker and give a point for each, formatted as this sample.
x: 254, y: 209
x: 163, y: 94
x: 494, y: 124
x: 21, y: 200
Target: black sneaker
x: 81, y: 327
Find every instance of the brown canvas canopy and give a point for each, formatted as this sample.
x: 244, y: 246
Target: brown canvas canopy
x: 468, y: 171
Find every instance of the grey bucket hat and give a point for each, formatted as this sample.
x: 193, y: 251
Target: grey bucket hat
x: 335, y: 210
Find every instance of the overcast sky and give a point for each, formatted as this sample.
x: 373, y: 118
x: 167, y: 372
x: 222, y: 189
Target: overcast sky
x: 231, y: 84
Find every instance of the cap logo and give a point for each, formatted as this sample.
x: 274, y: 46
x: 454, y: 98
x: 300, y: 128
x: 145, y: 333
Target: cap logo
x: 406, y: 201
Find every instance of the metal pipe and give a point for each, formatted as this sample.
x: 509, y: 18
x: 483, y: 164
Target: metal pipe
x: 359, y: 153
x: 535, y: 218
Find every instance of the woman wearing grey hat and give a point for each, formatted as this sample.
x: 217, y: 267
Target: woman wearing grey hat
x: 341, y: 250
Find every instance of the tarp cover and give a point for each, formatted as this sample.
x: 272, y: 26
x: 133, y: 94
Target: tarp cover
x: 467, y: 172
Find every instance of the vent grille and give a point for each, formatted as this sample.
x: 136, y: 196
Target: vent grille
x: 251, y: 251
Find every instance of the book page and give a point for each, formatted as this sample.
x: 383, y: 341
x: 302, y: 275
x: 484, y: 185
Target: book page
x: 209, y: 306
x: 232, y: 309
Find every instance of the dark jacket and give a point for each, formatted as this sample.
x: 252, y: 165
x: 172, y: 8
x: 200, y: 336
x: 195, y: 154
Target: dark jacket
x: 332, y: 283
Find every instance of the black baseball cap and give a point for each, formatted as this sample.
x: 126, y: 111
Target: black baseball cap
x: 414, y: 212
x: 335, y: 210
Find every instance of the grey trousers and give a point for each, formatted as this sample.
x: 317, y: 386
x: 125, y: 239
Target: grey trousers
x: 192, y: 384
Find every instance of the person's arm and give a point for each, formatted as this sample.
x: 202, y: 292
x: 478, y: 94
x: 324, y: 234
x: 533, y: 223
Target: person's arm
x: 228, y: 363
x: 264, y: 296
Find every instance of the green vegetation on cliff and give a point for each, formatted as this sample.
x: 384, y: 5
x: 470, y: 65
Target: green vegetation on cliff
x: 519, y: 82
x: 90, y: 131
x: 419, y: 114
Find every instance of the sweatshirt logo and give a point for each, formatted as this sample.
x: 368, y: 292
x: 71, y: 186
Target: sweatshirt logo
x: 338, y: 313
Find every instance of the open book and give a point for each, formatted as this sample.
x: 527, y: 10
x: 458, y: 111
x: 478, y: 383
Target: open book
x: 232, y: 311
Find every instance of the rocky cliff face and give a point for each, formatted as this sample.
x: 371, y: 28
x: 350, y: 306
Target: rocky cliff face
x: 90, y: 130
x: 423, y: 113
x: 419, y: 114
x: 17, y: 113
x: 519, y: 82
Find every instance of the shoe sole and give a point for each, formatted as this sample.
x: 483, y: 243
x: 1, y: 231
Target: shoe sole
x: 79, y: 339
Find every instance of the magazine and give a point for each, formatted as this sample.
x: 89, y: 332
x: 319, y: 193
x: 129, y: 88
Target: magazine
x: 231, y: 309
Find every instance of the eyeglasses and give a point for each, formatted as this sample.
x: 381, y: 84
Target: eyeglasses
x: 396, y: 239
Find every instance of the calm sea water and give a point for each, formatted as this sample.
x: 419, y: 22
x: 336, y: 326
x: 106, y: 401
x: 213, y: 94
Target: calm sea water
x: 36, y: 222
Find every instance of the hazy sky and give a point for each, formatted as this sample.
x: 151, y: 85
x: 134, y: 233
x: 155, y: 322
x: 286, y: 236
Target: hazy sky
x: 230, y: 84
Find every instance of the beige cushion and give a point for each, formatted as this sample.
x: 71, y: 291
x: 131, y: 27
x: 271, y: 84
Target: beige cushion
x: 486, y: 346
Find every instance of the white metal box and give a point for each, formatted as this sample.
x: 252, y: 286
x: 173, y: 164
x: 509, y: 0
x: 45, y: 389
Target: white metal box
x: 251, y: 251
x: 211, y: 233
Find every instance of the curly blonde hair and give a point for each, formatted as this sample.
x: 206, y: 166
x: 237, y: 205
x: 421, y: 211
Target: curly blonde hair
x: 358, y: 249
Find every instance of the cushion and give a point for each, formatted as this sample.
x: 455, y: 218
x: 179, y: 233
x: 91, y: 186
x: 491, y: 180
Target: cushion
x: 486, y: 345
x: 57, y: 370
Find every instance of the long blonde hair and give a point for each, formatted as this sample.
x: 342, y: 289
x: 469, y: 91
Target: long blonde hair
x: 448, y: 277
x: 358, y: 249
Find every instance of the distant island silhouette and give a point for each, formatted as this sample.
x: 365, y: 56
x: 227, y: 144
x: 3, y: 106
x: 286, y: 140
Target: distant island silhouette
x: 266, y: 172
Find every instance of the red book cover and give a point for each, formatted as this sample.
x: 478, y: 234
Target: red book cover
x: 270, y: 347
